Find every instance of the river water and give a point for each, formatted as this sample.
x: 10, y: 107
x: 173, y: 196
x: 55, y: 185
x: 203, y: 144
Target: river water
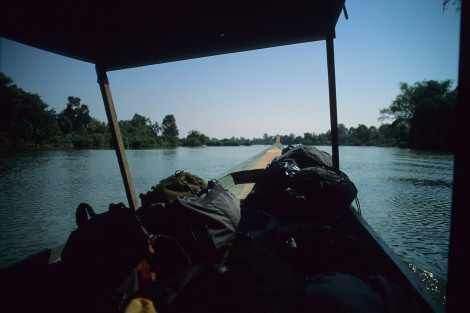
x: 405, y: 194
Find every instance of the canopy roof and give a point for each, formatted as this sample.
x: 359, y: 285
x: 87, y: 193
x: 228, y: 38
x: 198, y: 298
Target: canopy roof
x: 117, y: 35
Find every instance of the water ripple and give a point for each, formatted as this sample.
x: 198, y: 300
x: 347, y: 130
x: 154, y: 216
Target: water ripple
x: 405, y: 194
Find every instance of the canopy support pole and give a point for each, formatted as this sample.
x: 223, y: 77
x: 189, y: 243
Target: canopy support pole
x: 330, y: 55
x: 458, y: 275
x: 117, y: 138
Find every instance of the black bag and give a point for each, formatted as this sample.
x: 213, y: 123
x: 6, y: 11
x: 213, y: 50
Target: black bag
x: 105, y: 259
x: 315, y: 190
x: 307, y: 246
x: 310, y: 247
x: 266, y: 193
x: 200, y: 223
x: 242, y: 277
x: 245, y: 276
x: 307, y: 156
x: 290, y: 147
x: 180, y: 184
x: 329, y: 188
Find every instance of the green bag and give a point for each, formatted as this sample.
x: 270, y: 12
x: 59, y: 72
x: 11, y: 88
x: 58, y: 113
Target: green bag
x: 178, y: 185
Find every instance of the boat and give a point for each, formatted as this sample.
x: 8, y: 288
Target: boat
x: 118, y: 36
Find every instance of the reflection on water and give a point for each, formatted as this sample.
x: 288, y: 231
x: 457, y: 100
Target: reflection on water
x: 434, y: 284
x: 405, y: 194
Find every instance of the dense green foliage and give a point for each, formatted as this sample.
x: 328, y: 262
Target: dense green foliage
x: 360, y: 136
x: 27, y: 121
x: 25, y: 118
x: 169, y: 127
x: 195, y: 138
x: 421, y: 116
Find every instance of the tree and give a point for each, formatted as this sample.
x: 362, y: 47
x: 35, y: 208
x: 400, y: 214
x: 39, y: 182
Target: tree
x: 169, y: 127
x: 432, y: 125
x: 195, y: 138
x: 97, y: 127
x: 141, y: 133
x: 77, y: 113
x: 155, y: 128
x: 360, y: 135
x: 288, y: 139
x: 402, y: 107
x: 65, y: 124
x: 343, y: 134
x: 375, y: 137
x: 139, y: 121
x: 266, y: 138
x: 456, y: 3
x: 423, y: 114
x: 25, y: 118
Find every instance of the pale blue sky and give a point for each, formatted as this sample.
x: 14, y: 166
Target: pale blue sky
x: 278, y: 90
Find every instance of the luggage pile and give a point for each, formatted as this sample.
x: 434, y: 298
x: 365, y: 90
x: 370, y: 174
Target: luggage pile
x: 194, y: 247
x: 302, y: 184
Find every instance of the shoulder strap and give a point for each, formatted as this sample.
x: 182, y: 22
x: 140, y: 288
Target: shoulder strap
x: 213, y: 193
x: 81, y: 215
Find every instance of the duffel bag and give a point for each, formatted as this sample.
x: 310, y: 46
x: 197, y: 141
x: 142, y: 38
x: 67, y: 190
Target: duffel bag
x: 242, y: 276
x: 200, y: 223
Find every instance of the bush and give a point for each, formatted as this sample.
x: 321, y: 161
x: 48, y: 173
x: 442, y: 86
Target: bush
x: 82, y: 141
x: 168, y: 141
x: 101, y: 140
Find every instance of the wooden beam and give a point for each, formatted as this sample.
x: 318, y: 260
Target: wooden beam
x: 330, y: 55
x: 117, y: 138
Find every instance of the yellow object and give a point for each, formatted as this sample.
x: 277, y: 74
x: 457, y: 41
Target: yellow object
x: 140, y: 305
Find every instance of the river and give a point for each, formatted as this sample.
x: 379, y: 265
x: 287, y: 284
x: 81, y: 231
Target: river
x: 405, y: 194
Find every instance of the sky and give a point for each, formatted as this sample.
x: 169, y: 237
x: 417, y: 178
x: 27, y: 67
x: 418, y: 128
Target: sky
x: 280, y: 90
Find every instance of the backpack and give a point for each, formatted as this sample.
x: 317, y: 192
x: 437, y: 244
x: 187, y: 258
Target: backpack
x: 290, y: 147
x: 247, y: 276
x: 307, y: 156
x: 307, y: 246
x: 310, y: 247
x: 105, y: 259
x: 242, y: 276
x: 180, y: 184
x: 302, y: 184
x: 201, y: 223
x: 328, y: 187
